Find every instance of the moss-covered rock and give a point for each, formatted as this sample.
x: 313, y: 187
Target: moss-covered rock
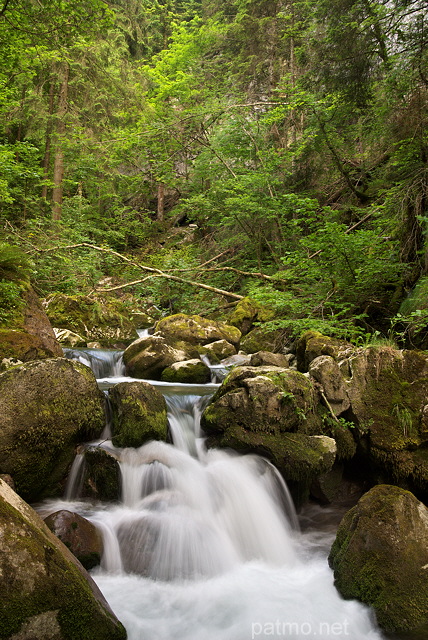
x: 139, y: 414
x: 313, y: 344
x: 45, y: 593
x: 30, y: 335
x: 217, y: 351
x: 265, y: 339
x: 267, y: 358
x: 188, y: 371
x: 247, y: 312
x: 96, y: 318
x: 101, y: 475
x: 46, y: 408
x: 79, y: 535
x: 148, y: 357
x: 196, y: 330
x: 326, y: 371
x: 273, y: 412
x: 380, y: 556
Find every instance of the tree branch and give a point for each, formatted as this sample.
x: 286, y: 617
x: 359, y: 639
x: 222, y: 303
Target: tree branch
x: 3, y: 11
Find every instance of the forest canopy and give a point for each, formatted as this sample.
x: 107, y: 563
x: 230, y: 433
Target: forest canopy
x: 271, y: 149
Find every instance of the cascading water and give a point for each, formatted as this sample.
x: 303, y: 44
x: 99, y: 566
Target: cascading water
x: 205, y: 545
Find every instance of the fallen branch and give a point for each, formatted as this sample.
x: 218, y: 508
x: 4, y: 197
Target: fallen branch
x: 155, y: 272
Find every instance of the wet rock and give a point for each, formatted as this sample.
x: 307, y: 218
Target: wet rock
x: 139, y: 414
x: 101, y: 478
x: 188, y: 371
x: 380, y: 556
x: 70, y: 339
x: 45, y: 593
x: 46, y: 408
x: 217, y: 351
x: 148, y: 357
x: 79, y: 535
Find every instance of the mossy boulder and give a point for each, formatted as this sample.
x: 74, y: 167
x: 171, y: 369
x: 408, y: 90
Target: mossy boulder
x: 46, y: 408
x: 273, y: 412
x: 101, y: 475
x: 45, y: 593
x: 380, y: 556
x: 139, y: 414
x: 247, y: 312
x: 217, y: 351
x: 79, y: 535
x: 30, y: 335
x: 188, y: 371
x: 196, y: 330
x: 267, y: 358
x: 147, y: 357
x: 313, y: 344
x: 326, y: 371
x: 96, y: 318
x: 265, y: 339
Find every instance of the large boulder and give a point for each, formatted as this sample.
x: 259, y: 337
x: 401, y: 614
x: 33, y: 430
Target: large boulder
x: 313, y: 344
x: 195, y: 330
x: 96, y: 318
x: 147, y: 357
x: 45, y: 593
x: 101, y: 475
x: 380, y: 556
x: 30, y: 336
x: 217, y: 351
x: 139, y: 414
x: 46, y: 408
x: 388, y: 391
x: 79, y: 535
x: 273, y: 412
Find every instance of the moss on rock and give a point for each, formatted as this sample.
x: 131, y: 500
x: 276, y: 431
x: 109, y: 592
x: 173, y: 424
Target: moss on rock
x: 46, y: 408
x: 380, y: 556
x: 196, y: 330
x: 188, y: 372
x: 44, y: 590
x: 139, y: 414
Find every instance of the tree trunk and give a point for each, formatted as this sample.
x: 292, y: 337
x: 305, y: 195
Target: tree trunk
x: 59, y: 152
x: 47, y: 155
x: 161, y: 201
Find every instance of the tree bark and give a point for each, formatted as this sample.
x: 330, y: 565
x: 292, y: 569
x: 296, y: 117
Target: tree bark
x: 48, y: 141
x: 161, y: 202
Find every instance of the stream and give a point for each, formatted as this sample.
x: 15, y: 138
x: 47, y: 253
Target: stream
x: 206, y: 544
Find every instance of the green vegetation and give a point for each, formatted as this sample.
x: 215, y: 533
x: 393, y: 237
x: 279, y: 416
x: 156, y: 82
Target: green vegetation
x: 276, y: 150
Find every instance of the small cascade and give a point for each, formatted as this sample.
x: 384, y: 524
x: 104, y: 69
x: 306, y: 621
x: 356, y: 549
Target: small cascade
x: 75, y: 478
x: 105, y: 363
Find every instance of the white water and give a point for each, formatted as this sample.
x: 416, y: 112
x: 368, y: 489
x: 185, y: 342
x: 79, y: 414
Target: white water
x: 204, y: 546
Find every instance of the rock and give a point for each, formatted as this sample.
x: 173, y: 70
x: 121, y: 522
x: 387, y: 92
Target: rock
x: 101, y: 475
x: 313, y: 344
x: 267, y: 358
x: 139, y: 414
x: 265, y: 339
x: 31, y: 337
x: 45, y: 593
x: 326, y: 371
x: 148, y: 357
x: 388, y: 390
x: 96, y: 318
x: 272, y: 412
x: 247, y: 312
x: 217, y: 351
x: 188, y: 371
x: 8, y: 363
x: 79, y: 535
x: 46, y: 408
x: 8, y: 480
x: 380, y: 556
x: 196, y: 330
x: 69, y: 339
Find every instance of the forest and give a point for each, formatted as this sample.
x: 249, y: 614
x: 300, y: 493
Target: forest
x: 191, y: 153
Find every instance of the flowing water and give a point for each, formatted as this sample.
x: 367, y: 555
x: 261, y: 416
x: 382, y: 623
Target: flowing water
x: 205, y: 545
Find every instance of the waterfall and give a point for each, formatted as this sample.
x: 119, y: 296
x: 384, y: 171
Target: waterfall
x: 205, y: 544
x: 105, y: 363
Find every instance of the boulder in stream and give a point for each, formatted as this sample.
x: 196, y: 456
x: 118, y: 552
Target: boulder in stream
x: 380, y: 556
x: 79, y: 535
x: 189, y: 372
x: 45, y: 593
x: 47, y: 407
x: 196, y: 330
x: 139, y: 414
x: 147, y: 357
